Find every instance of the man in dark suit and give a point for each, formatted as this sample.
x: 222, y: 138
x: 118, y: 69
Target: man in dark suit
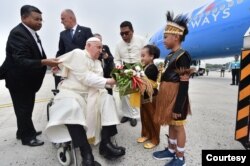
x: 107, y: 61
x: 24, y: 69
x: 74, y: 36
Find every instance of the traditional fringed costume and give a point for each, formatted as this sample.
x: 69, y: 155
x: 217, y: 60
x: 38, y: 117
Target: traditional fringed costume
x: 173, y: 93
x: 172, y: 105
x: 150, y: 129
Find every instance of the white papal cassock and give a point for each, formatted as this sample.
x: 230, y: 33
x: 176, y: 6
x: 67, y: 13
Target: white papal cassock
x: 82, y: 99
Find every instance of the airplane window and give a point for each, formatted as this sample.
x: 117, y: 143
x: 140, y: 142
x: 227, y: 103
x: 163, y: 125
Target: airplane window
x: 222, y: 7
x: 230, y: 3
x: 215, y: 10
x: 239, y: 1
x: 200, y: 16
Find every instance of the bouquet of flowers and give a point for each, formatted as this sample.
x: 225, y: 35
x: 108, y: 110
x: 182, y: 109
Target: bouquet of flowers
x: 131, y: 79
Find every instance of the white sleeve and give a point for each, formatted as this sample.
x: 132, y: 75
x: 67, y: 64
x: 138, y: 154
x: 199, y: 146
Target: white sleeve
x: 66, y: 63
x: 117, y: 57
x: 93, y: 80
x: 76, y: 64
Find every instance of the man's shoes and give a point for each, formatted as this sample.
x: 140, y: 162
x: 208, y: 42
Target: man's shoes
x: 110, y: 151
x: 94, y: 164
x: 232, y: 84
x: 37, y: 133
x: 117, y: 147
x: 88, y: 160
x: 124, y: 119
x: 163, y: 155
x: 133, y: 122
x: 176, y: 162
x: 33, y: 142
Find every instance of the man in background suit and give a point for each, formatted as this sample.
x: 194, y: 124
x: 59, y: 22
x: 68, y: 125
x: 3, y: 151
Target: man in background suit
x: 24, y: 69
x: 235, y: 68
x: 74, y: 36
x: 107, y: 61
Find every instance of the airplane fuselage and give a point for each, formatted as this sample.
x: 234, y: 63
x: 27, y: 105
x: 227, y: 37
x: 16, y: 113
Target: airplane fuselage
x: 215, y: 30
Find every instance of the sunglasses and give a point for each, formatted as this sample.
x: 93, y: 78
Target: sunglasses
x: 124, y: 33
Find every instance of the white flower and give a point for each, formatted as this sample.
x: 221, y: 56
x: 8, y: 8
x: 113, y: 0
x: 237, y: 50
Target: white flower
x: 134, y: 73
x: 126, y: 71
x: 142, y: 73
x: 137, y: 68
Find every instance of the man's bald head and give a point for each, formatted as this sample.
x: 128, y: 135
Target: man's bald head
x: 98, y: 36
x: 68, y: 18
x: 94, y: 47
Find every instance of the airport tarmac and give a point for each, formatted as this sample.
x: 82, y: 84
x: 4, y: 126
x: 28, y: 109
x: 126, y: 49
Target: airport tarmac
x: 211, y: 126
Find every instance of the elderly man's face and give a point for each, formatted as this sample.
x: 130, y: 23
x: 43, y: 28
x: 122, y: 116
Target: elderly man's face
x: 95, y: 49
x: 66, y: 20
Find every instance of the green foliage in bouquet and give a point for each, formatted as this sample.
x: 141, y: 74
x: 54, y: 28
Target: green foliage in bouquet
x: 124, y: 76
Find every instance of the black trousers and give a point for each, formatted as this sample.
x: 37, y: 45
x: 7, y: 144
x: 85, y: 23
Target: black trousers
x: 23, y: 105
x: 79, y: 138
x: 107, y: 132
x: 110, y: 91
x: 235, y: 74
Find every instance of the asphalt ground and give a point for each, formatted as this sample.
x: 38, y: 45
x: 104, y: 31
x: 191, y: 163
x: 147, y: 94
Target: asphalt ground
x: 211, y: 126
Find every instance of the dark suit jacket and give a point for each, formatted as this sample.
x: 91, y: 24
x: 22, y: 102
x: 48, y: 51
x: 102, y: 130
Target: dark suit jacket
x: 108, y: 64
x: 22, y: 67
x: 67, y: 44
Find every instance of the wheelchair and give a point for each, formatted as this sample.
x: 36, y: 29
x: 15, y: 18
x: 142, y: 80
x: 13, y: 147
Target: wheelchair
x: 66, y: 154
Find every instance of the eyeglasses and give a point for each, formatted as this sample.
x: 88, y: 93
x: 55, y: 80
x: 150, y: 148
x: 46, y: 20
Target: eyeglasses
x: 126, y: 33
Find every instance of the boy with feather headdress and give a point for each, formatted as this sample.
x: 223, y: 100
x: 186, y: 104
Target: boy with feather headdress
x: 172, y: 105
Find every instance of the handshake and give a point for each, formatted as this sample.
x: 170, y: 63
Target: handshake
x: 53, y: 62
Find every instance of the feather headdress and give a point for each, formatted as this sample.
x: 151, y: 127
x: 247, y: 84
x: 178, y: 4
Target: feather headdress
x: 177, y: 25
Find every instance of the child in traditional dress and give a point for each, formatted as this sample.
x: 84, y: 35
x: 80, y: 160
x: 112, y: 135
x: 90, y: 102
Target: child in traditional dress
x: 172, y: 105
x: 150, y: 129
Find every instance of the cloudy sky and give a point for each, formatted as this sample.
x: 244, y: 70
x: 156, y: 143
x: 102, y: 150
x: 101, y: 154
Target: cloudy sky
x: 102, y: 16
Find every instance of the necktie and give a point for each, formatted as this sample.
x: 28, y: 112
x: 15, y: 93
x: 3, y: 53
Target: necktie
x: 40, y: 43
x: 38, y: 39
x: 72, y: 33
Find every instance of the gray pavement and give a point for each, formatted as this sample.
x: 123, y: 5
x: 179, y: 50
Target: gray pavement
x: 211, y: 126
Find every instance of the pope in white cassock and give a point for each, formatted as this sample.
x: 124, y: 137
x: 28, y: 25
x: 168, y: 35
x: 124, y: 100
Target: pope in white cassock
x: 83, y: 110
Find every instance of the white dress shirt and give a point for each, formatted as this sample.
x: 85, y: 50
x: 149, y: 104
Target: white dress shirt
x: 74, y: 29
x: 33, y: 33
x: 129, y: 52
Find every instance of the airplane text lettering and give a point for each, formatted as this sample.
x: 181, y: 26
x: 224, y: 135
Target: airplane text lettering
x: 201, y: 21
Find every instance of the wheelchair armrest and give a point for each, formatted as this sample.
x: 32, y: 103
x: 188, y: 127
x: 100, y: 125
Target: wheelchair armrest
x: 55, y: 91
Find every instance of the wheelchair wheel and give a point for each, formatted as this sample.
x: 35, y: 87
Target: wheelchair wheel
x: 64, y: 156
